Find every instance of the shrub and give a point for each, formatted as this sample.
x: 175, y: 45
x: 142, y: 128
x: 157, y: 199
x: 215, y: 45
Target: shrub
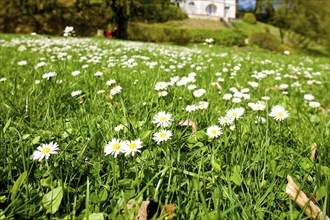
x: 249, y: 18
x: 162, y: 33
x: 225, y: 37
x: 266, y: 40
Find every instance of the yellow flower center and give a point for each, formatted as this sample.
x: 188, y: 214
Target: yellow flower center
x: 116, y: 146
x: 280, y: 114
x: 162, y: 119
x: 234, y: 114
x: 45, y: 150
x: 132, y: 145
x: 213, y: 131
x: 162, y: 135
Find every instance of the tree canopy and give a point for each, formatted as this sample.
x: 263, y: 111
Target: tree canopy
x: 51, y: 16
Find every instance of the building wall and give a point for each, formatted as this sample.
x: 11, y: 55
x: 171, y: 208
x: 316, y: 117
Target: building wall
x: 215, y: 8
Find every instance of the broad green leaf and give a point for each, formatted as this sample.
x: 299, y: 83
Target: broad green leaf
x: 215, y: 165
x: 306, y: 163
x: 51, y: 201
x: 95, y: 216
x: 201, y: 135
x: 321, y: 192
x: 25, y: 136
x: 3, y: 199
x: 145, y: 135
x: 36, y: 140
x: 236, y: 177
x: 103, y: 195
x: 17, y: 185
x: 2, y: 215
x: 6, y: 125
x: 46, y: 182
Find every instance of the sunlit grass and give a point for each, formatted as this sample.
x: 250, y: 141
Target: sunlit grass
x: 240, y: 174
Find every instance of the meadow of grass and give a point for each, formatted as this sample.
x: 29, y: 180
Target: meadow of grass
x: 81, y: 93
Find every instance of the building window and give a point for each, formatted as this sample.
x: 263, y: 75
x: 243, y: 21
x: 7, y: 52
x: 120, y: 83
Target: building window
x: 211, y: 9
x: 191, y: 3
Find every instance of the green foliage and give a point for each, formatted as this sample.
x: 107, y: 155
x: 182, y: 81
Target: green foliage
x: 249, y: 18
x: 162, y: 33
x: 51, y: 201
x: 265, y: 40
x: 153, y: 11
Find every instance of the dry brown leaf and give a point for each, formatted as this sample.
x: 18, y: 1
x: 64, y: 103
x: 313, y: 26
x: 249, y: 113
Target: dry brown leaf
x: 295, y: 194
x: 169, y: 211
x: 218, y: 86
x: 149, y: 209
x: 313, y: 151
x: 189, y: 122
x: 143, y: 211
x: 324, y: 109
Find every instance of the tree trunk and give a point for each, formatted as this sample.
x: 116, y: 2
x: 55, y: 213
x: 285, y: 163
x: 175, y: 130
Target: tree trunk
x: 122, y: 26
x: 281, y: 35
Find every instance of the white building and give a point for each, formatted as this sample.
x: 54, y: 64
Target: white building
x: 216, y: 9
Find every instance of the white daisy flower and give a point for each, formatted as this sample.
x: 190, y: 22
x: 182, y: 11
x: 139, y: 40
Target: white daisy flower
x: 3, y: 79
x: 192, y: 87
x: 213, y: 131
x: 162, y: 119
x: 120, y: 127
x: 308, y: 97
x: 199, y: 92
x: 114, y: 147
x: 40, y: 64
x: 236, y: 100
x: 44, y: 151
x: 225, y: 120
x: 279, y: 113
x: 161, y: 136
x: 75, y: 73
x: 235, y: 113
x: 133, y: 147
x: 162, y: 93
x: 253, y: 84
x: 48, y: 75
x: 100, y: 91
x: 314, y: 104
x: 22, y: 63
x: 75, y: 93
x: 203, y: 105
x: 227, y: 96
x: 257, y: 106
x: 115, y: 90
x: 161, y: 86
x: 98, y: 73
x: 110, y: 82
x: 191, y: 108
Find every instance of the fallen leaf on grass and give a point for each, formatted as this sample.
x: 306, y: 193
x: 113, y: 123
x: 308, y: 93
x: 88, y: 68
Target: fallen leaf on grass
x: 313, y: 151
x: 189, y: 122
x: 295, y: 194
x: 149, y: 209
x: 324, y: 109
x: 218, y: 86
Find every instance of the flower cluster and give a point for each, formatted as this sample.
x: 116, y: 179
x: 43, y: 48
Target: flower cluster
x: 116, y: 146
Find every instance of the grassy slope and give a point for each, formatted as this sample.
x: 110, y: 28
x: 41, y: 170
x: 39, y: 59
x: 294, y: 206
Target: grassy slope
x: 241, y: 175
